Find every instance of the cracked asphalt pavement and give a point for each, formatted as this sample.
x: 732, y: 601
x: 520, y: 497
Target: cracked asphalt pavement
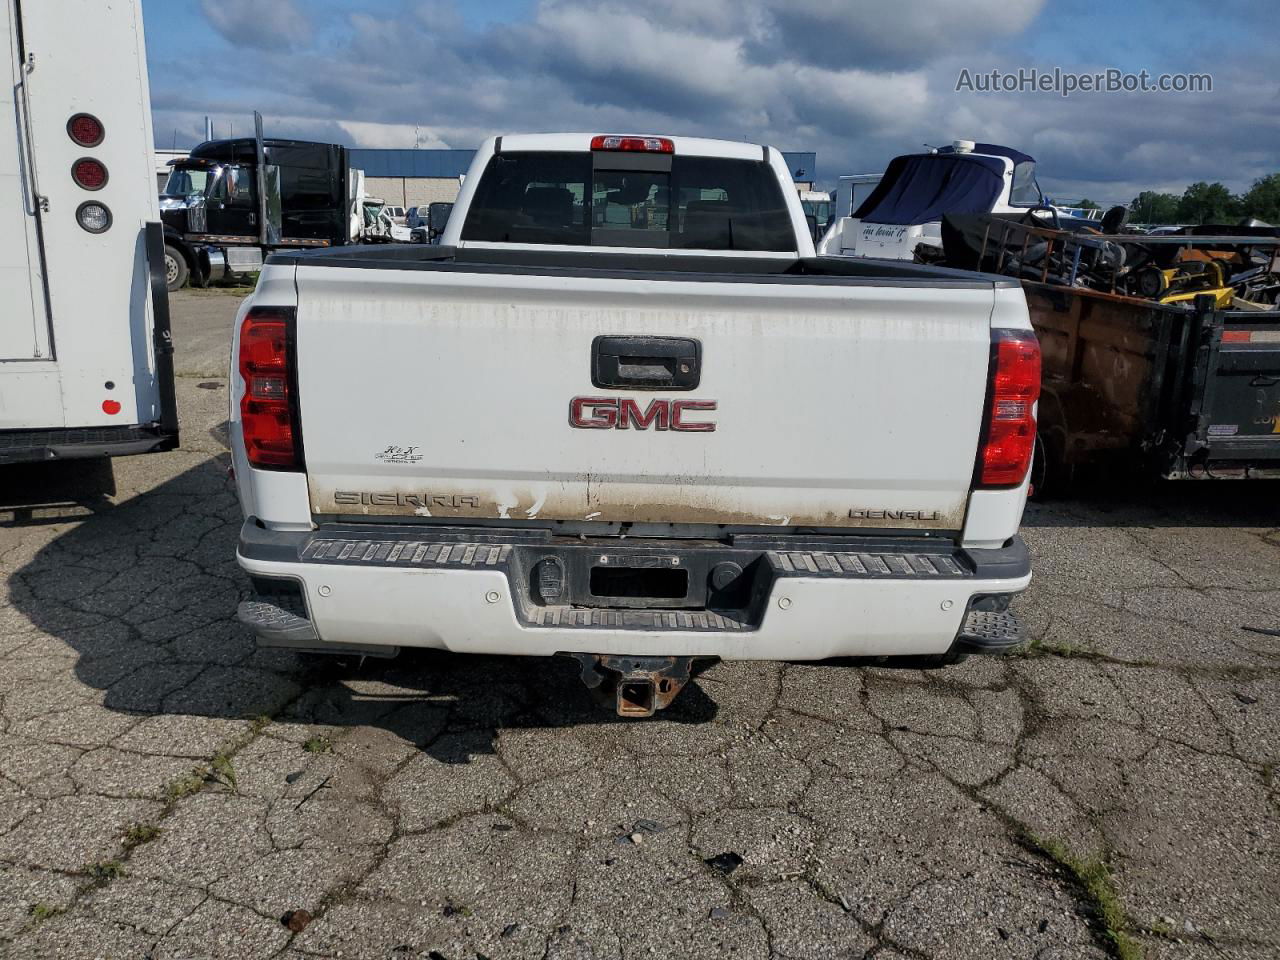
x: 169, y: 791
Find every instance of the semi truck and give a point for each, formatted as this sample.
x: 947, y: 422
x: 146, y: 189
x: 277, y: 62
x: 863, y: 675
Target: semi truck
x: 231, y: 202
x: 86, y: 357
x: 622, y: 413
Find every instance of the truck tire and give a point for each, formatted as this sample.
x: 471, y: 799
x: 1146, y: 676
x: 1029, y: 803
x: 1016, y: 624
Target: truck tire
x: 176, y: 270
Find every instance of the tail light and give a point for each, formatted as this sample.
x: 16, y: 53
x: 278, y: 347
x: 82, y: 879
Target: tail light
x: 268, y: 408
x: 633, y: 144
x: 86, y: 130
x: 1009, y: 435
x: 89, y: 174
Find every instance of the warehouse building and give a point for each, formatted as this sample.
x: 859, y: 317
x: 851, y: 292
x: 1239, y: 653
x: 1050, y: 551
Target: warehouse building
x: 410, y: 178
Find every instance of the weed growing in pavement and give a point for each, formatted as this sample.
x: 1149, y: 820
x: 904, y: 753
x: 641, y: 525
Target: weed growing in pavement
x: 1160, y: 929
x: 185, y: 785
x: 221, y: 764
x: 1095, y: 880
x: 40, y: 912
x: 318, y: 745
x: 139, y: 834
x: 1039, y: 647
x: 104, y: 872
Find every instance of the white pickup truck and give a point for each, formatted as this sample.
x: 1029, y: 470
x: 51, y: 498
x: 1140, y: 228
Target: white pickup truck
x: 623, y: 413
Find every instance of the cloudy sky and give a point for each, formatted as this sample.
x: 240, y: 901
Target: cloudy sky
x: 858, y: 81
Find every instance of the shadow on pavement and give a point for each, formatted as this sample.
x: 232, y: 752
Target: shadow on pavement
x: 54, y: 492
x: 144, y: 591
x: 1161, y: 503
x: 145, y: 594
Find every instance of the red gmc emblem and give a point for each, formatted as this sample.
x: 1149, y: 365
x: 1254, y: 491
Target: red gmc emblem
x: 623, y: 413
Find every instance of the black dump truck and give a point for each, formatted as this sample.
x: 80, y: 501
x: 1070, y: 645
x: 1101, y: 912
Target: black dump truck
x: 231, y: 202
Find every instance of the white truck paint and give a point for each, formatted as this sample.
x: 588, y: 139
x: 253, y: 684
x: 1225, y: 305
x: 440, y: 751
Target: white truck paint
x: 81, y: 371
x: 457, y: 417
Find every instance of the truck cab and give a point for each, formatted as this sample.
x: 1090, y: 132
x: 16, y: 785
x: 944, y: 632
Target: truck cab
x: 231, y: 200
x: 817, y: 204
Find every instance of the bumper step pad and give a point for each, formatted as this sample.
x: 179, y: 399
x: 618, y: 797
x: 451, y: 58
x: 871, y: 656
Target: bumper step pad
x: 279, y: 627
x: 986, y: 631
x: 394, y: 553
x: 602, y: 619
x: 863, y: 565
x: 272, y: 622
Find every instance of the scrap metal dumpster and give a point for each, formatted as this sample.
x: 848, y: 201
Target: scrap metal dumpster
x: 1183, y: 390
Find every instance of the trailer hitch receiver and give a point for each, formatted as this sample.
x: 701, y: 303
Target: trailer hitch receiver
x: 633, y: 686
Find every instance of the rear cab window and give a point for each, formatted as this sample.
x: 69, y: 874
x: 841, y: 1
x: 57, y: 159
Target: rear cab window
x: 607, y: 199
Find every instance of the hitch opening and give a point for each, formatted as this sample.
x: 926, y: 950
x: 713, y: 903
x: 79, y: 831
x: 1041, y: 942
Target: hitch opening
x: 635, y: 698
x: 634, y: 686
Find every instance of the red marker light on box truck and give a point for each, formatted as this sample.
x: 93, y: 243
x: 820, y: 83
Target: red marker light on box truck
x: 86, y: 130
x: 267, y: 406
x: 634, y: 144
x: 89, y: 174
x: 1009, y: 435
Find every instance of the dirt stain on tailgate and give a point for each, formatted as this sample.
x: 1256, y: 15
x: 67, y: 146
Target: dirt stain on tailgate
x: 621, y: 502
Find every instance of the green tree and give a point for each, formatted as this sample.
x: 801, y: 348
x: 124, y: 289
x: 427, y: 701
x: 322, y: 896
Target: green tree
x: 1208, y: 203
x: 1087, y: 204
x: 1154, y: 208
x: 1263, y: 200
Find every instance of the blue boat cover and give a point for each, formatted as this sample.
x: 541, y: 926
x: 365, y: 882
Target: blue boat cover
x: 919, y: 188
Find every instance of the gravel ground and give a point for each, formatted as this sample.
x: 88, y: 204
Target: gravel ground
x: 168, y: 791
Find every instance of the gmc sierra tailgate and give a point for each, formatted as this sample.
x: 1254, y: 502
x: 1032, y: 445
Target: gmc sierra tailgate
x: 483, y: 393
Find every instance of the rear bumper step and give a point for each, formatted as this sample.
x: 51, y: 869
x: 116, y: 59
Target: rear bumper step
x: 523, y: 591
x: 278, y: 626
x: 272, y: 622
x: 989, y: 631
x: 30, y: 446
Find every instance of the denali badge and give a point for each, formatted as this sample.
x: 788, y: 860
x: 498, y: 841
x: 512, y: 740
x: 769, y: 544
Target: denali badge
x: 614, y: 413
x: 857, y: 514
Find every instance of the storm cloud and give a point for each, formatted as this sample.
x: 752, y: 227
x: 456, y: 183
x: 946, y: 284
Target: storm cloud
x: 858, y: 82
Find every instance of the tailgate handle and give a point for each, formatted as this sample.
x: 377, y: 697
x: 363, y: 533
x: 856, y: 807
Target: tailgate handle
x: 646, y: 363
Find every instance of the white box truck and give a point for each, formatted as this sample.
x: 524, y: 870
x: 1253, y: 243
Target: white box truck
x: 86, y: 363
